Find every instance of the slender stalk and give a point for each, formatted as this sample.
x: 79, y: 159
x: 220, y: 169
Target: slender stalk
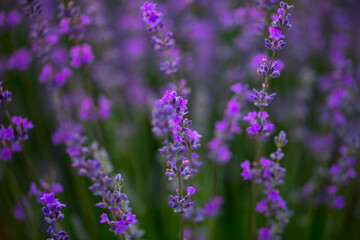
x: 258, y: 150
x: 29, y: 164
x: 328, y: 224
x: 181, y: 226
x: 181, y: 215
x: 15, y: 190
x: 253, y: 219
x: 90, y: 90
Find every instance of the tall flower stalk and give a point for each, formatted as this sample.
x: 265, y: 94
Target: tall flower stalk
x: 264, y: 170
x: 169, y: 119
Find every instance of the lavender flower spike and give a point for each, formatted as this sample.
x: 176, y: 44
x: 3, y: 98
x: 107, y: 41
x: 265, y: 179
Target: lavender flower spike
x: 52, y: 212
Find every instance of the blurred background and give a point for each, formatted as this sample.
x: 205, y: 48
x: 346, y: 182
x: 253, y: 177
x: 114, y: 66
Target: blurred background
x: 220, y: 43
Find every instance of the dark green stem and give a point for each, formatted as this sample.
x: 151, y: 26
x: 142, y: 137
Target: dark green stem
x: 181, y: 215
x: 181, y: 226
x: 15, y: 189
x: 30, y: 166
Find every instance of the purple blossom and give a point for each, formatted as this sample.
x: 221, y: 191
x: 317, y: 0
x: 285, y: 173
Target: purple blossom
x: 5, y: 95
x: 275, y: 33
x: 246, y: 166
x: 20, y: 60
x: 264, y: 234
x: 81, y: 55
x: 182, y: 204
x: 212, y: 207
x: 58, y: 79
x: 151, y: 17
x: 226, y: 128
x: 52, y: 209
x: 11, y: 137
x: 120, y: 226
x: 72, y: 21
x: 339, y: 202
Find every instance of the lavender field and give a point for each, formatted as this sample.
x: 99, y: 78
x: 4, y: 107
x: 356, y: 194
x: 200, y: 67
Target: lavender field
x: 186, y: 119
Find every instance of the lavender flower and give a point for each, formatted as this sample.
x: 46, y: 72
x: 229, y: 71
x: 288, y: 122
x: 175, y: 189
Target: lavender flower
x: 52, y: 212
x: 90, y: 112
x: 181, y: 204
x: 117, y: 203
x: 58, y: 79
x: 10, y: 20
x: 154, y: 23
x: 228, y: 127
x: 169, y: 119
x: 72, y: 22
x: 52, y: 209
x: 81, y: 55
x: 5, y: 95
x: 20, y: 60
x: 93, y: 163
x: 266, y: 171
x: 270, y: 174
x: 11, y: 137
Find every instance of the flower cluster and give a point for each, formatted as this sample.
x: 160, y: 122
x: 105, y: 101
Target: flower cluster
x: 20, y: 60
x: 266, y: 171
x: 9, y: 20
x: 31, y: 8
x: 81, y: 55
x: 225, y: 129
x: 168, y: 119
x: 72, y: 22
x: 181, y: 204
x: 5, y: 95
x: 279, y: 25
x: 89, y: 111
x: 11, y: 137
x: 41, y: 40
x: 117, y: 203
x: 52, y: 209
x: 259, y: 125
x: 45, y: 187
x: 65, y: 132
x: 210, y: 209
x: 52, y: 212
x: 93, y: 163
x: 154, y: 23
x: 57, y: 79
x: 270, y: 174
x: 54, y: 72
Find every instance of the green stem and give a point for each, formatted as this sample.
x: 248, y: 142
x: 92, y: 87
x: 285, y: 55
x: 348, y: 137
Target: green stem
x: 15, y: 190
x: 30, y: 166
x: 181, y: 215
x: 89, y: 87
x: 181, y: 226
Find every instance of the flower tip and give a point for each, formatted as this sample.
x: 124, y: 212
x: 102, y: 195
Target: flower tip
x: 190, y: 190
